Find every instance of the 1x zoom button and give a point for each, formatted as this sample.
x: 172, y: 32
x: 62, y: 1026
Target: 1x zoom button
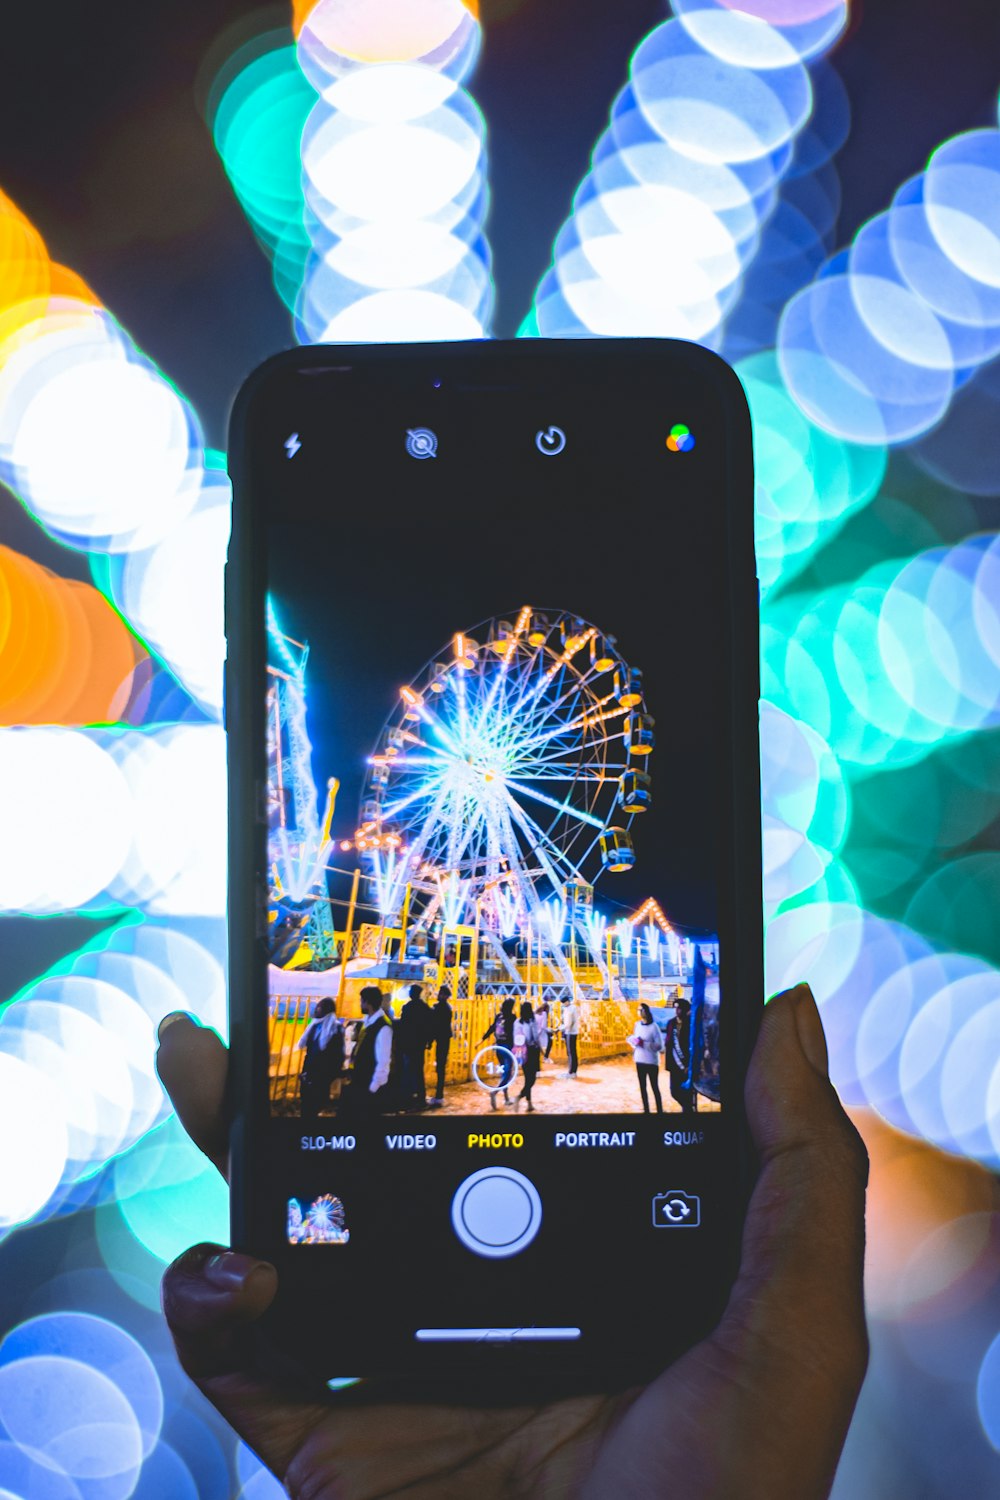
x: 496, y: 1212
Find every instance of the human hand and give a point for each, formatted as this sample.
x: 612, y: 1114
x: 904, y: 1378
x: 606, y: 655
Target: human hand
x: 763, y: 1403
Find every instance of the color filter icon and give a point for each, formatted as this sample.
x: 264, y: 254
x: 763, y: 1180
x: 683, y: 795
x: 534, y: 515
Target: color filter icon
x: 680, y: 439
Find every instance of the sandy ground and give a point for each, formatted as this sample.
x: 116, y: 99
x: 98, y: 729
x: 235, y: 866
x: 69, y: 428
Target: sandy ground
x: 607, y: 1087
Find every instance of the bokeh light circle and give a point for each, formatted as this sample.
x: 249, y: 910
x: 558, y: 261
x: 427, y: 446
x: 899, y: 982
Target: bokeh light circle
x: 712, y: 110
x: 988, y: 1393
x: 75, y: 1418
x: 31, y: 1113
x: 102, y: 1345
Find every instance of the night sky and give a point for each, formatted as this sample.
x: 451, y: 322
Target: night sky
x: 379, y: 589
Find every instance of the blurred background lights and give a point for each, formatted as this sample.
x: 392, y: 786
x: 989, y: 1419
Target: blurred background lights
x: 107, y: 818
x: 102, y: 1345
x: 24, y: 1477
x: 66, y: 816
x: 988, y: 1393
x: 392, y: 155
x: 336, y: 36
x: 685, y: 181
x: 710, y: 211
x: 733, y: 27
x: 172, y: 593
x: 30, y: 1111
x: 863, y: 349
x: 169, y: 1195
x: 65, y: 656
x: 257, y: 110
x: 712, y: 107
x: 76, y: 1419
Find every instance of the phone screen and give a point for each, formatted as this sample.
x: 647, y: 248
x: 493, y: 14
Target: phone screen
x: 497, y: 1088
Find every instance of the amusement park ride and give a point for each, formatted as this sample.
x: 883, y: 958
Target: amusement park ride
x: 503, y: 784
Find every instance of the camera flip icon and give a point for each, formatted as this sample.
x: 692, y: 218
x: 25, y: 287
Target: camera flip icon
x: 676, y: 1210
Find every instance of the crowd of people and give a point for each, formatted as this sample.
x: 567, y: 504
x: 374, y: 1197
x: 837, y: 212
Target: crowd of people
x: 377, y: 1065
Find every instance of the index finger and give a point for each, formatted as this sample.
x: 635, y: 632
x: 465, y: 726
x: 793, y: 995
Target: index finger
x: 193, y: 1066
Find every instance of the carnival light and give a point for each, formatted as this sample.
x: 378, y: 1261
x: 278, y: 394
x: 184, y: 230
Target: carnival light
x: 65, y: 656
x: 595, y: 926
x: 30, y: 1111
x: 102, y: 819
x: 51, y: 1407
x: 805, y: 806
x: 393, y: 168
x: 554, y: 915
x: 170, y: 1195
x: 763, y: 33
x: 954, y: 454
x: 87, y: 1033
x: 920, y: 1048
x: 807, y: 482
x: 299, y: 841
x: 101, y: 1345
x: 988, y: 1393
x: 336, y: 38
x: 683, y: 180
x: 173, y: 593
x: 871, y: 350
x: 798, y: 235
x: 257, y: 111
x: 392, y: 157
x: 67, y: 818
x: 72, y: 383
x: 903, y: 659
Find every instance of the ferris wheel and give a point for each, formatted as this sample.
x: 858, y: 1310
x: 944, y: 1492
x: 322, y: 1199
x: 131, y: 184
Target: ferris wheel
x: 511, y: 770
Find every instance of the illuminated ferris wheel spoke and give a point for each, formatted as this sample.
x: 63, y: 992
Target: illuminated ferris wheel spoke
x: 564, y: 807
x: 421, y: 793
x: 457, y: 845
x: 507, y: 655
x: 577, y: 684
x: 584, y: 721
x: 557, y: 758
x: 559, y: 725
x: 544, y: 847
x: 558, y: 753
x: 506, y: 717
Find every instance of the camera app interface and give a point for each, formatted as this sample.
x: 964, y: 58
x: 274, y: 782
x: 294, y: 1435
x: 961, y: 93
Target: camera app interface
x: 493, y: 675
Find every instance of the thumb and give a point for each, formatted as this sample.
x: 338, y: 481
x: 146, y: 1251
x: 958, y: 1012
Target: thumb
x: 212, y: 1297
x: 795, y: 1322
x: 803, y: 1244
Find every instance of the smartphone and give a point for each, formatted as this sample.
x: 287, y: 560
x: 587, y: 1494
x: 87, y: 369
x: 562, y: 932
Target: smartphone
x: 495, y: 875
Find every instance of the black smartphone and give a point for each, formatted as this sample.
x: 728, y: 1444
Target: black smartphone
x: 495, y: 889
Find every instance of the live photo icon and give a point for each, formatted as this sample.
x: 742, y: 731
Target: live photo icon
x: 676, y: 1210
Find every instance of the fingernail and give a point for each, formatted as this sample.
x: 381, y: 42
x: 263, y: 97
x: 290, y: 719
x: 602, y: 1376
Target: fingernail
x: 812, y: 1038
x: 231, y: 1270
x: 168, y: 1020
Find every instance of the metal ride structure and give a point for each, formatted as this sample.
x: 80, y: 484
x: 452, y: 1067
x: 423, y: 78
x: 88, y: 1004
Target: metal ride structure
x: 503, y: 784
x: 301, y: 926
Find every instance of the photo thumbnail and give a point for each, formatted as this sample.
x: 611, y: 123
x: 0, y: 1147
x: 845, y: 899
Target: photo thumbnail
x: 317, y: 1221
x: 463, y: 916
